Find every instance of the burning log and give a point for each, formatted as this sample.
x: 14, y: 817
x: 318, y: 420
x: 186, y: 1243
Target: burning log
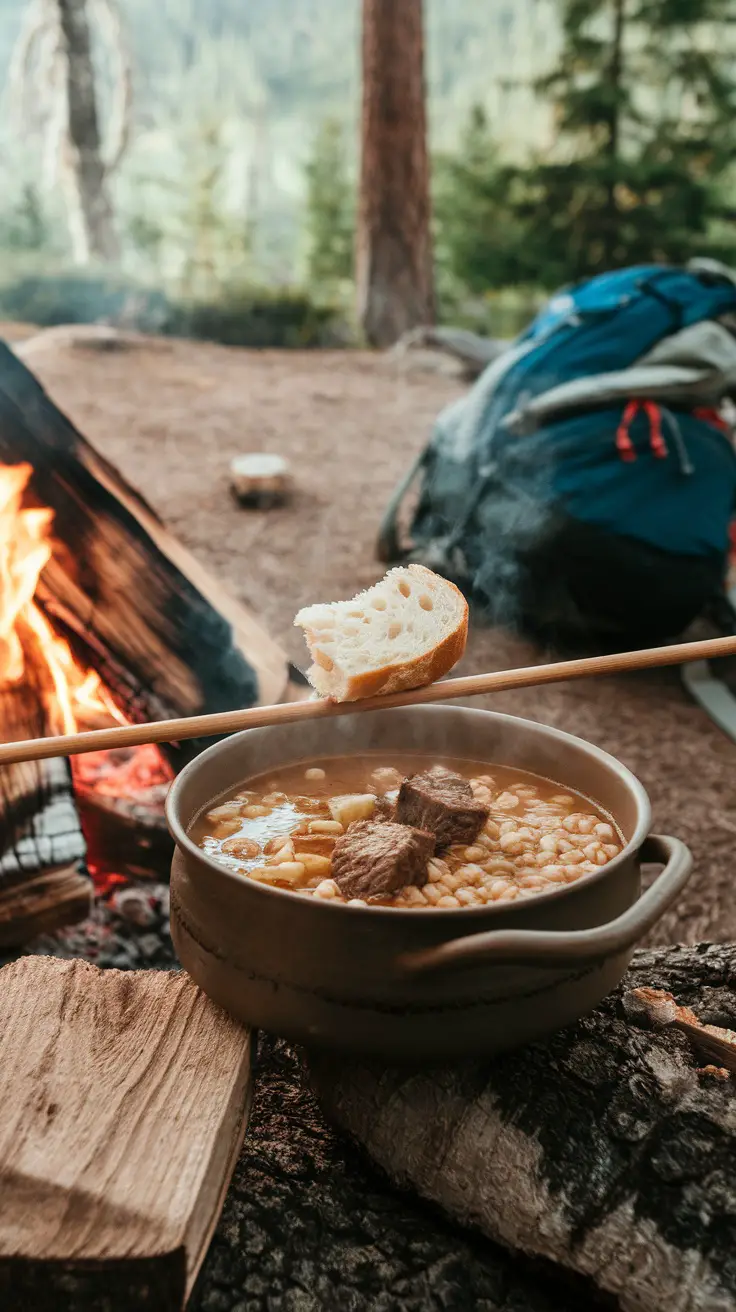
x: 132, y: 603
x: 605, y: 1149
x: 42, y: 882
x: 103, y: 616
x: 124, y: 1098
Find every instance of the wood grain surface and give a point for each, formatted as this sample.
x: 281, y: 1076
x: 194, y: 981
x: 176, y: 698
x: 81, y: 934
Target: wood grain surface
x: 124, y: 1098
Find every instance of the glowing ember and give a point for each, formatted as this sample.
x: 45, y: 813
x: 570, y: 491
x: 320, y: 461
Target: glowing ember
x: 139, y: 771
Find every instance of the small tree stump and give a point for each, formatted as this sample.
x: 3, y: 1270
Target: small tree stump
x: 608, y: 1149
x: 260, y: 481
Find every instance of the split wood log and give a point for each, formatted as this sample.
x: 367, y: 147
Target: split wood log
x: 124, y: 1097
x: 605, y: 1149
x: 131, y: 601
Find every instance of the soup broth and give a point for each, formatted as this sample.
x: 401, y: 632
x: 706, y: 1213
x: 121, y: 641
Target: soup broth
x: 280, y: 829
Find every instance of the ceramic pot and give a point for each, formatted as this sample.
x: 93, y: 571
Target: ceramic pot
x: 416, y: 985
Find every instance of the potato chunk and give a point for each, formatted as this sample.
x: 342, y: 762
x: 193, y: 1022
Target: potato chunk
x: 351, y: 807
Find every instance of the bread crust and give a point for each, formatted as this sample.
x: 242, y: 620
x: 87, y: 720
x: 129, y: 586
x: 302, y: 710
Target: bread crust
x: 404, y: 675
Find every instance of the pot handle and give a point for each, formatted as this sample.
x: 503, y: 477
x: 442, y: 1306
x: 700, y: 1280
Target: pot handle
x: 529, y: 947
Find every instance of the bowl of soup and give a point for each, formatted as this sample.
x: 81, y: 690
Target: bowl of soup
x: 420, y: 884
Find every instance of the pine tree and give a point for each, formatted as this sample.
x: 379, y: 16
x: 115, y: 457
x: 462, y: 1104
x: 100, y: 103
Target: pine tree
x: 330, y: 209
x: 216, y: 242
x: 644, y: 97
x: 479, y: 244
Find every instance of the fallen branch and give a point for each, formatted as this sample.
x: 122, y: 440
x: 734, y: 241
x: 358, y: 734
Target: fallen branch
x: 474, y: 353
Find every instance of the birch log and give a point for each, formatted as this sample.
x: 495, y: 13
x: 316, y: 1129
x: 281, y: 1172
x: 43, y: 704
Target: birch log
x: 608, y: 1149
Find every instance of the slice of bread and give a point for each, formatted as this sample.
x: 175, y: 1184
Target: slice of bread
x: 405, y: 632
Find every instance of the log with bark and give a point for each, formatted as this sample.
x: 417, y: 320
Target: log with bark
x: 609, y: 1149
x: 124, y: 1098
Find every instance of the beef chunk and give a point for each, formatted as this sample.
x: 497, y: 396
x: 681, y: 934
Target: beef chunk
x: 377, y: 857
x: 386, y: 806
x: 443, y: 803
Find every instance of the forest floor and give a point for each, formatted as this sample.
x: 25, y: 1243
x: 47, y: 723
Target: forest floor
x: 172, y: 414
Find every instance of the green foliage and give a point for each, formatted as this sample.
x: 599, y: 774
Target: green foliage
x: 259, y: 318
x: 48, y: 300
x: 329, y: 209
x: 477, y: 242
x: 644, y: 98
x: 255, y: 318
x: 25, y: 228
x: 216, y: 243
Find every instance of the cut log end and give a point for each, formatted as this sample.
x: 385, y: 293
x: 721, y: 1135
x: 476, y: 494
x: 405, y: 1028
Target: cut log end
x: 260, y: 481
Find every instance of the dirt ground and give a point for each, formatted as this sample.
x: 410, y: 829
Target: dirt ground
x: 172, y: 415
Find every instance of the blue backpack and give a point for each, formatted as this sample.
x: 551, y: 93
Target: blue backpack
x: 595, y: 444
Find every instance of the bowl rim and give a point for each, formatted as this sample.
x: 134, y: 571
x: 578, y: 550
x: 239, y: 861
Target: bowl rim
x: 310, y: 905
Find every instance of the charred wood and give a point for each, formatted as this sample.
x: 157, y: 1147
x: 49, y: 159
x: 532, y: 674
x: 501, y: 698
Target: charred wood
x: 130, y: 601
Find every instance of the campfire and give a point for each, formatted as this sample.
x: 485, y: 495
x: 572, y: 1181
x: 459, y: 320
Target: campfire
x: 127, y: 785
x: 104, y: 619
x: 27, y: 640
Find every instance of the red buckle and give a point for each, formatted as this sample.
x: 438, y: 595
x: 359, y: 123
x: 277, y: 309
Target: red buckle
x: 656, y: 436
x: 624, y: 444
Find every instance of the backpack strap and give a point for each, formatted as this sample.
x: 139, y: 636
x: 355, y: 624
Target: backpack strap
x: 711, y: 694
x: 388, y: 547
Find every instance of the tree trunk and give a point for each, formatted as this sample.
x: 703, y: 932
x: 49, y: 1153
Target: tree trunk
x: 613, y: 127
x: 91, y: 217
x: 608, y: 1149
x: 394, y: 246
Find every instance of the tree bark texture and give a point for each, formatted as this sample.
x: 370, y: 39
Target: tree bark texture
x: 394, y: 246
x: 90, y: 208
x: 606, y: 1149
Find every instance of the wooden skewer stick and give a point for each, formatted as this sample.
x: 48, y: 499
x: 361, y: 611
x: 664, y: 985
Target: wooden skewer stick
x: 258, y: 717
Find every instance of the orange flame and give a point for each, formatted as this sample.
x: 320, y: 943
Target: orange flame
x: 25, y: 549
